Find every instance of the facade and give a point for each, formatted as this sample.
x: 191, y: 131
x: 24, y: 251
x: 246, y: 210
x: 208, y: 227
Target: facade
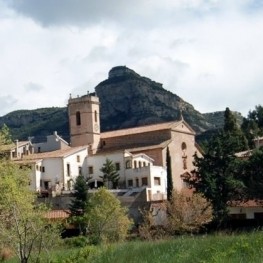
x: 56, y: 171
x: 54, y: 142
x: 125, y: 146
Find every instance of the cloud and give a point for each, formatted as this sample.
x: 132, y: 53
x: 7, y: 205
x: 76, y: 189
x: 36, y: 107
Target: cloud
x: 209, y: 52
x: 34, y: 87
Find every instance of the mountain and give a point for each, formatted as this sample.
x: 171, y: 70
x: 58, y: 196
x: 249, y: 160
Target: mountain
x: 126, y: 100
x: 129, y: 100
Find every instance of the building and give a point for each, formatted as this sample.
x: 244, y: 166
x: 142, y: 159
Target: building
x: 133, y: 149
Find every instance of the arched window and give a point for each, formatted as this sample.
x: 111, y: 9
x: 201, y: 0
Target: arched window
x: 183, y: 146
x: 135, y: 164
x: 95, y: 116
x: 78, y: 119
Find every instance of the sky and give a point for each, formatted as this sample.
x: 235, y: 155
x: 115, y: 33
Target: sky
x: 208, y: 52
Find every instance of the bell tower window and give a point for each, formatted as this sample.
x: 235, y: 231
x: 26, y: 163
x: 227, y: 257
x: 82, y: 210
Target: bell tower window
x: 78, y: 119
x: 96, y: 116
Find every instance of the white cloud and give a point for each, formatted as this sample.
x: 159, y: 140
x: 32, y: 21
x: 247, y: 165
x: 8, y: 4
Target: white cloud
x: 207, y: 52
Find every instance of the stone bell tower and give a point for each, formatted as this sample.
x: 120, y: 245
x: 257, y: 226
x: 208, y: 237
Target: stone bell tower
x: 84, y: 121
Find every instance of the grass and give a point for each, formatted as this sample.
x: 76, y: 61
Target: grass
x: 219, y: 248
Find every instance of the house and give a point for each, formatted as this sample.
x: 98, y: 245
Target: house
x: 52, y: 143
x: 55, y: 171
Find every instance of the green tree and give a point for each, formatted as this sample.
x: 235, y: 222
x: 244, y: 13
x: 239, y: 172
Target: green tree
x: 80, y: 197
x: 23, y: 225
x: 217, y: 177
x: 234, y: 137
x: 253, y: 171
x: 79, y: 204
x: 5, y: 135
x: 110, y: 174
x: 219, y: 174
x: 169, y: 175
x: 107, y: 220
x: 252, y: 126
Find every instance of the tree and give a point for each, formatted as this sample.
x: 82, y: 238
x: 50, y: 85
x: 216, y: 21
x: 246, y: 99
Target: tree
x: 107, y: 220
x: 253, y: 171
x: 110, y: 173
x: 169, y: 175
x: 5, y: 135
x: 79, y: 203
x: 23, y: 226
x: 187, y: 212
x: 80, y: 197
x: 219, y: 175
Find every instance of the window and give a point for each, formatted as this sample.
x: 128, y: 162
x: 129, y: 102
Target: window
x: 140, y: 164
x: 38, y: 149
x: 37, y: 168
x: 78, y: 119
x: 96, y: 116
x: 68, y: 169
x: 78, y: 158
x: 157, y: 181
x: 117, y: 166
x: 135, y: 164
x: 46, y: 185
x: 145, y: 181
x: 128, y: 164
x: 183, y: 146
x: 90, y: 169
x: 42, y: 169
x: 80, y: 170
x: 144, y: 164
x: 137, y: 182
x: 130, y: 183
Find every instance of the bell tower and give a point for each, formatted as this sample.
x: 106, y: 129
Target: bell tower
x: 84, y: 121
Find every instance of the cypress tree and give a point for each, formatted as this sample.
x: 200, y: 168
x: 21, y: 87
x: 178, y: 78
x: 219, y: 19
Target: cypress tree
x: 169, y: 175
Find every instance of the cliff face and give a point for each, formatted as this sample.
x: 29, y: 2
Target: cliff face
x: 128, y: 100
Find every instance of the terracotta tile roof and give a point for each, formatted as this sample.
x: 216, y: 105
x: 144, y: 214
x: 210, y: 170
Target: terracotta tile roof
x: 141, y: 129
x: 57, y: 214
x: 133, y: 148
x: 12, y: 146
x: 249, y: 203
x: 55, y: 154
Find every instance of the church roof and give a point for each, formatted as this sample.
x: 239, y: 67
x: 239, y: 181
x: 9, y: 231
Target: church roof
x: 147, y: 128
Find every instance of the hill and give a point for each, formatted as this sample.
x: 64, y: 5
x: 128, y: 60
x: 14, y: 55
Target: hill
x: 127, y: 100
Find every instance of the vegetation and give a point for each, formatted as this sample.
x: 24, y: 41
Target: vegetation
x: 169, y: 175
x: 187, y: 213
x: 110, y: 174
x: 79, y: 203
x: 106, y: 219
x: 23, y: 226
x: 220, y: 248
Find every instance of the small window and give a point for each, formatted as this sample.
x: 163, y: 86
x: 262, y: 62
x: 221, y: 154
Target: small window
x: 80, y: 170
x: 130, y: 183
x: 137, y: 182
x: 90, y: 169
x: 140, y: 164
x: 42, y: 169
x: 38, y: 149
x: 78, y: 119
x: 96, y: 116
x: 128, y: 164
x: 135, y: 164
x: 78, y: 158
x: 68, y: 169
x: 183, y: 146
x: 157, y: 181
x: 117, y: 166
x: 145, y: 181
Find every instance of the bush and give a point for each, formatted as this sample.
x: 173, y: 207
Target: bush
x: 80, y: 241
